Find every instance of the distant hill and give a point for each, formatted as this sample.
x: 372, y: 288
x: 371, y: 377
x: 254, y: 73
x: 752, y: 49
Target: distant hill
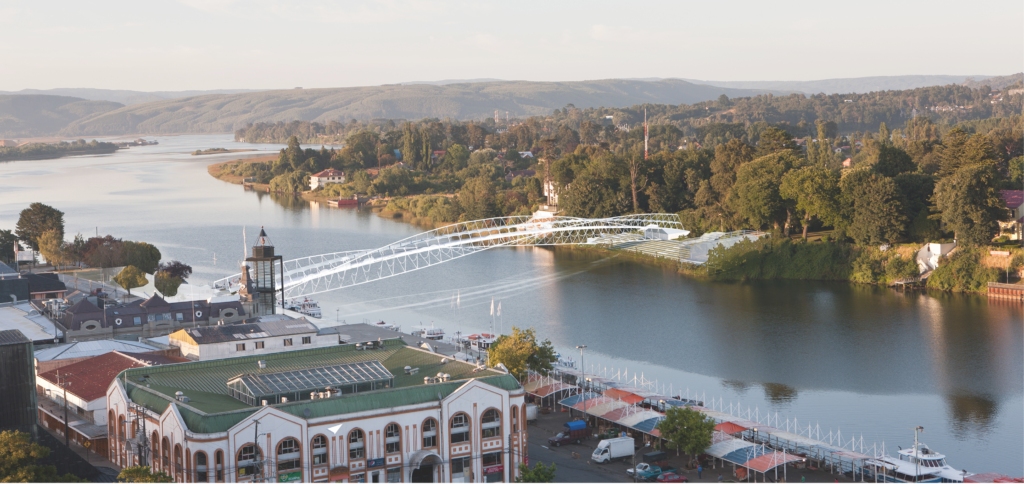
x: 225, y: 113
x: 858, y: 85
x: 123, y: 96
x: 997, y: 83
x: 35, y: 115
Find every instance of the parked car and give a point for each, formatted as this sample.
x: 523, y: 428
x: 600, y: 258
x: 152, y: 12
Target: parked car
x: 672, y: 477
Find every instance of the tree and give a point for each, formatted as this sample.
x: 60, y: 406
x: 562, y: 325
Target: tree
x: 18, y: 456
x: 36, y: 220
x: 177, y: 269
x: 637, y: 178
x: 687, y: 430
x: 52, y: 247
x: 7, y: 241
x: 520, y: 352
x: 874, y: 208
x: 969, y: 204
x: 960, y: 149
x: 892, y: 161
x: 815, y: 191
x: 457, y: 157
x: 756, y: 192
x: 130, y: 277
x: 142, y: 474
x: 774, y: 140
x: 142, y: 255
x: 539, y: 473
x: 166, y: 283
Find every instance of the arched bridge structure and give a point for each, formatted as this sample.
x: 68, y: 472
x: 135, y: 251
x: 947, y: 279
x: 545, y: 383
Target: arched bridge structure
x: 327, y: 272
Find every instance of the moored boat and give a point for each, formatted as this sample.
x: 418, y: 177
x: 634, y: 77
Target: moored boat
x: 306, y: 306
x: 916, y: 464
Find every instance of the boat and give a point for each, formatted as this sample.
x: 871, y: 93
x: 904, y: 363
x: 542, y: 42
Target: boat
x: 306, y: 306
x: 383, y: 325
x: 916, y: 464
x: 428, y: 332
x: 344, y: 202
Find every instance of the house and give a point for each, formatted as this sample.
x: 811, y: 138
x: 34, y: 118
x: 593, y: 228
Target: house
x: 437, y: 156
x: 8, y: 143
x: 45, y: 285
x: 56, y: 356
x: 1015, y: 203
x: 526, y: 154
x: 329, y: 175
x: 85, y: 385
x: 379, y: 411
x: 847, y: 162
x: 149, y: 318
x: 513, y: 174
x: 229, y: 341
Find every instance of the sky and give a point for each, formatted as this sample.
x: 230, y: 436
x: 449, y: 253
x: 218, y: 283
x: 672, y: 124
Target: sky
x: 268, y: 44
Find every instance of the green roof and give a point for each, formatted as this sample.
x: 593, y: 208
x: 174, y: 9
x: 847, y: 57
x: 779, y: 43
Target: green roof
x: 211, y: 408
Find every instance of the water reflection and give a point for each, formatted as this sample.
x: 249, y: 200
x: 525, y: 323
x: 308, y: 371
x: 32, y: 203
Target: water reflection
x: 971, y: 415
x: 778, y: 393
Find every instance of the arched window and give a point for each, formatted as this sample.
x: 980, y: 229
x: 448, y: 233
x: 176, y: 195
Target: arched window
x: 156, y: 450
x: 166, y: 449
x: 356, y: 447
x: 289, y: 455
x: 201, y: 474
x: 319, y: 449
x: 515, y: 418
x: 218, y: 461
x: 392, y: 439
x: 460, y: 428
x: 120, y: 428
x: 490, y: 424
x: 429, y: 433
x: 247, y: 457
x: 177, y: 460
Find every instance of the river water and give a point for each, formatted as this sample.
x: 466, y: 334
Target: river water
x: 868, y: 362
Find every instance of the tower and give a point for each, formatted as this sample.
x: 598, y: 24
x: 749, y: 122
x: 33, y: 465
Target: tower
x: 645, y: 133
x: 267, y: 275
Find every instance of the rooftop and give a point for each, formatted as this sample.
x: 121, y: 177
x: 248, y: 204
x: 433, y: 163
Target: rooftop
x: 329, y: 172
x: 84, y: 349
x: 12, y: 337
x: 211, y: 408
x: 242, y: 332
x: 1013, y: 198
x: 23, y: 317
x: 90, y: 378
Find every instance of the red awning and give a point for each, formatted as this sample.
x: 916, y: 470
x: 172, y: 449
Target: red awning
x: 729, y: 428
x: 623, y: 395
x: 767, y: 462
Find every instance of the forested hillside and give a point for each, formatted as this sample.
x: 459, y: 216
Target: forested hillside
x: 38, y: 115
x: 226, y: 113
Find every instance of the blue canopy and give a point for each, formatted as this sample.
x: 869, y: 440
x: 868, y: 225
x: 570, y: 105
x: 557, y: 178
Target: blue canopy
x: 576, y: 425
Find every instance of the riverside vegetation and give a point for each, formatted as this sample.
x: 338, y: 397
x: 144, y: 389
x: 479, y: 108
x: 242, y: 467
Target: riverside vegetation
x: 933, y: 177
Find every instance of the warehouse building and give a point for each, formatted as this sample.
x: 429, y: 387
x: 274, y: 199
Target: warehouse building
x: 376, y: 411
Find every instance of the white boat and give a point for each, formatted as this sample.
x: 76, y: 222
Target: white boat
x: 306, y: 306
x: 428, y: 332
x: 916, y: 464
x: 383, y: 325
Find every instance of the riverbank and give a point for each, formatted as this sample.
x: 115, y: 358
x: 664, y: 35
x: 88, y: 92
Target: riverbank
x: 218, y: 151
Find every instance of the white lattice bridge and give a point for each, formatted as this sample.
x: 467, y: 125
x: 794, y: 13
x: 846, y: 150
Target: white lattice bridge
x: 327, y: 272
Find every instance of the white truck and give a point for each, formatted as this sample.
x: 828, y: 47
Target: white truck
x: 610, y: 449
x: 531, y: 413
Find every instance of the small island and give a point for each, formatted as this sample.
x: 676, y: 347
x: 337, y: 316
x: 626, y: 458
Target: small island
x: 215, y: 151
x: 46, y: 151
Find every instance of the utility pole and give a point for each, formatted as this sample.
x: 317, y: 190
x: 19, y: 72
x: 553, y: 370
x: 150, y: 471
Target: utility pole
x: 645, y: 133
x: 62, y: 381
x: 583, y: 368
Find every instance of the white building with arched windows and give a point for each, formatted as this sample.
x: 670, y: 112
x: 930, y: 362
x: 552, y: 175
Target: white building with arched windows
x: 378, y: 411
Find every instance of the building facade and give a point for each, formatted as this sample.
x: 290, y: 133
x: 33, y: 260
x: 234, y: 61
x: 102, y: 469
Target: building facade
x: 230, y: 341
x: 389, y: 413
x: 329, y: 175
x: 147, y: 319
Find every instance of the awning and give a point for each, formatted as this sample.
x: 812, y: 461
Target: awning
x: 548, y: 390
x: 729, y: 428
x: 591, y: 402
x: 417, y: 458
x: 623, y: 395
x: 767, y: 462
x: 579, y: 397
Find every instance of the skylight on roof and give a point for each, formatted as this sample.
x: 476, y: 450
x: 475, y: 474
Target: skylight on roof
x: 296, y: 384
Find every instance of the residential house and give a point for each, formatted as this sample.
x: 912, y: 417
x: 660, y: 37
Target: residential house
x: 513, y: 174
x: 437, y: 156
x: 149, y: 318
x: 380, y: 411
x: 83, y: 386
x: 1015, y: 203
x: 329, y: 175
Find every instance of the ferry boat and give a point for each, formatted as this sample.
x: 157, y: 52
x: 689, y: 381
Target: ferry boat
x: 916, y: 464
x: 428, y: 332
x: 306, y: 306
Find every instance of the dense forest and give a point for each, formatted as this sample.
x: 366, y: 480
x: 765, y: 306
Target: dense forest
x: 43, y: 151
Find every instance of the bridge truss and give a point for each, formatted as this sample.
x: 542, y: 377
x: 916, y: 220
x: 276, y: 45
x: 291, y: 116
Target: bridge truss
x: 327, y: 272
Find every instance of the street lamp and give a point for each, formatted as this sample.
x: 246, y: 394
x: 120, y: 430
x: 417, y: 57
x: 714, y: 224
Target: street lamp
x: 583, y: 368
x: 646, y: 445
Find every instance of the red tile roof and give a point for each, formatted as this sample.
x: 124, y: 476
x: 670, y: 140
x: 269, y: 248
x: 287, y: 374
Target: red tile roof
x: 89, y: 379
x: 329, y: 172
x: 1013, y: 198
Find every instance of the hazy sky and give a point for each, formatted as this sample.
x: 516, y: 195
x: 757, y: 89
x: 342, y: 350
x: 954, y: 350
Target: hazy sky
x: 217, y: 44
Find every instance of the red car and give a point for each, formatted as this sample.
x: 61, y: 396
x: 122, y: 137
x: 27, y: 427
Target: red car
x: 672, y: 477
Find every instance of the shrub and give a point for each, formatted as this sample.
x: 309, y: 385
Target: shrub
x: 962, y: 271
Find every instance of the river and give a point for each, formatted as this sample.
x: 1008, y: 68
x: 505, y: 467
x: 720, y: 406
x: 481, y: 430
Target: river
x: 869, y: 362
